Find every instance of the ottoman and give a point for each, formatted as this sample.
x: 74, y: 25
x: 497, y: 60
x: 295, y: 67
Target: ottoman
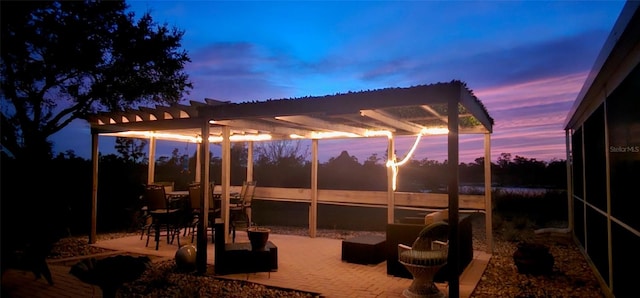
x: 365, y: 249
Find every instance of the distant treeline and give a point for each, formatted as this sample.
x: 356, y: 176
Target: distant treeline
x: 121, y: 180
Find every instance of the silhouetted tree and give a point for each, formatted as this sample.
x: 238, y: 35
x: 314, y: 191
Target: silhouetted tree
x: 282, y: 163
x: 238, y: 163
x: 341, y: 172
x: 276, y: 151
x: 556, y: 174
x: 131, y: 149
x: 431, y: 174
x: 374, y: 173
x: 503, y: 169
x: 61, y: 60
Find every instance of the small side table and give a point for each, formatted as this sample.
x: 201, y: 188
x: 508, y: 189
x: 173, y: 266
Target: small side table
x: 365, y: 249
x: 233, y: 258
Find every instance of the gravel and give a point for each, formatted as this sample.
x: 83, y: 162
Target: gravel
x: 571, y: 275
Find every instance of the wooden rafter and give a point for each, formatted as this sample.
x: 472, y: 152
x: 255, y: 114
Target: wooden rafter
x: 391, y: 121
x: 322, y: 124
x: 263, y: 126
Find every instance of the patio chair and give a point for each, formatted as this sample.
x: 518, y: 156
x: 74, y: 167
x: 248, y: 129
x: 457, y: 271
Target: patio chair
x: 143, y: 218
x: 168, y: 185
x: 424, y: 258
x: 164, y: 216
x: 240, y: 211
x: 215, y: 208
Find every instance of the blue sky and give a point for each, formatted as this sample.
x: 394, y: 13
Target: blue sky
x: 525, y: 60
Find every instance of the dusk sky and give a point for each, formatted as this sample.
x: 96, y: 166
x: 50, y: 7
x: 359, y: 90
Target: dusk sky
x: 525, y: 60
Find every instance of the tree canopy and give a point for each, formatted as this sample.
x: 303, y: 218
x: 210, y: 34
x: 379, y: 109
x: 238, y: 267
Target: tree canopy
x: 61, y: 60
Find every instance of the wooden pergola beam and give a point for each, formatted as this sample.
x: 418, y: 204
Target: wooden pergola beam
x: 391, y: 121
x: 321, y: 124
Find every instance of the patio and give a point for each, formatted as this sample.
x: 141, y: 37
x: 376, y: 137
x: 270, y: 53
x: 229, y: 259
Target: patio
x: 313, y: 265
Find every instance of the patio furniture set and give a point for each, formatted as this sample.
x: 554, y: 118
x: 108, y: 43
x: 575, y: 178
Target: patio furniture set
x: 170, y: 213
x: 167, y: 212
x: 417, y: 251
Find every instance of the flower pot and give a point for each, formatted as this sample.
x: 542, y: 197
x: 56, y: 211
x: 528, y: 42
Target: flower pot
x: 258, y: 237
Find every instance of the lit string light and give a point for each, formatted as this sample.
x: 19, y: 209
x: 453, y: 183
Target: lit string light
x: 395, y: 166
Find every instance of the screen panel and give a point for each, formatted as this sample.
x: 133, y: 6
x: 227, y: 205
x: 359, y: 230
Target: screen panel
x: 578, y: 224
x: 594, y: 160
x: 625, y: 259
x: 576, y: 151
x: 597, y: 242
x: 623, y: 121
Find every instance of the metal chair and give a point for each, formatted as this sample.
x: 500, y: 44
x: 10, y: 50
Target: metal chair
x: 215, y: 208
x: 164, y: 216
x: 427, y: 255
x: 240, y: 211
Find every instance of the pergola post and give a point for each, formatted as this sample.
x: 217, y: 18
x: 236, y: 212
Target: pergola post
x: 453, y: 147
x: 151, y: 170
x: 313, y: 209
x: 390, y: 191
x: 94, y: 188
x: 198, y: 162
x: 488, y: 205
x: 249, y: 173
x: 225, y: 177
x: 250, y: 164
x: 203, y: 151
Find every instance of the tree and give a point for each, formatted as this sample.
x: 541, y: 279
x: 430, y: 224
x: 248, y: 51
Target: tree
x: 504, y: 160
x: 285, y: 157
x: 341, y: 172
x: 61, y: 60
x: 275, y: 152
x: 131, y: 149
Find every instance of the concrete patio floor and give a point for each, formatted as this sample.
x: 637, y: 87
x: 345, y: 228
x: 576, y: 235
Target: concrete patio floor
x: 304, y: 263
x: 314, y: 265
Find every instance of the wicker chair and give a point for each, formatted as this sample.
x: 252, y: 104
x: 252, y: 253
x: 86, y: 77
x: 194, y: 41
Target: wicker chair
x: 424, y: 258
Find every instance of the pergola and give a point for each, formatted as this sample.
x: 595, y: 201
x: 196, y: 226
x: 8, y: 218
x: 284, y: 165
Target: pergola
x: 441, y: 108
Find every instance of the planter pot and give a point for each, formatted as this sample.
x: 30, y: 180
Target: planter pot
x: 258, y: 237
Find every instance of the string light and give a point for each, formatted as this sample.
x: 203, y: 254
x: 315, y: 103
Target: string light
x: 378, y: 133
x: 157, y: 135
x: 238, y: 138
x: 192, y: 139
x: 325, y: 135
x: 395, y: 166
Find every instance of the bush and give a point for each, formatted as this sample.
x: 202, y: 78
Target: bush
x: 539, y: 209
